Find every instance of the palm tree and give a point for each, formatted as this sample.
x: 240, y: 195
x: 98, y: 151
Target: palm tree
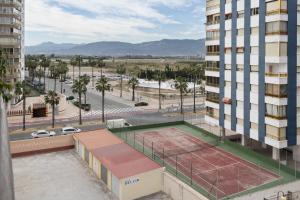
x: 101, y: 64
x: 181, y: 85
x: 21, y: 89
x: 133, y: 82
x: 160, y: 77
x: 102, y: 86
x: 73, y: 62
x: 86, y: 80
x: 62, y: 70
x: 45, y: 63
x: 31, y: 64
x: 55, y: 72
x: 194, y: 70
x: 79, y: 62
x: 121, y: 70
x: 39, y: 73
x: 79, y: 88
x: 3, y: 64
x: 92, y: 64
x: 52, y: 99
x: 5, y: 87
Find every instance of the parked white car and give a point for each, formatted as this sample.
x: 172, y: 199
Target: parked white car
x: 68, y: 130
x: 42, y: 133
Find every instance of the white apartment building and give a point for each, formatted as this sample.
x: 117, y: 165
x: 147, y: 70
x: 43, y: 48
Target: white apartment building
x: 12, y: 37
x: 253, y: 70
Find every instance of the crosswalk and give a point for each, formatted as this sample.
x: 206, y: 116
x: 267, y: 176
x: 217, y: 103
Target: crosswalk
x: 112, y: 111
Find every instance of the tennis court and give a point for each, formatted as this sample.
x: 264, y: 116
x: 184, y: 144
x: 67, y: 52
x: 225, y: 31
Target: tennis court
x: 216, y: 171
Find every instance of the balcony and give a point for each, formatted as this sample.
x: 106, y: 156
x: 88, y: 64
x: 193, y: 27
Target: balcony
x: 11, y: 3
x: 277, y: 91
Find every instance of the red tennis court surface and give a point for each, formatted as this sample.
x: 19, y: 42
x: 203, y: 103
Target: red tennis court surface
x: 214, y: 170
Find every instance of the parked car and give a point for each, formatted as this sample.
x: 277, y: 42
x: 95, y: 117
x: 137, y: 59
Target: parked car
x: 42, y: 133
x: 70, y: 98
x: 126, y: 124
x: 68, y: 82
x: 141, y: 104
x: 68, y: 130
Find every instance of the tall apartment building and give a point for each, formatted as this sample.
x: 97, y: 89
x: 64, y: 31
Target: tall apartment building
x: 253, y: 70
x: 12, y: 37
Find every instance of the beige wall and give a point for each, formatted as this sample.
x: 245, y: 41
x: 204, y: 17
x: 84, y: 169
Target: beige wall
x: 179, y: 190
x: 41, y: 144
x: 149, y: 183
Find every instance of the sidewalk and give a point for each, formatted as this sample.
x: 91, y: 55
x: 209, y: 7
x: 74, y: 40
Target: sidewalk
x: 66, y: 110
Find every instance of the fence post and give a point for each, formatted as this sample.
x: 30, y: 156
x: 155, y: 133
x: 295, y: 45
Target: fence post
x: 152, y: 151
x: 295, y: 169
x: 176, y: 165
x: 134, y: 139
x: 191, y: 173
x: 238, y: 178
x: 163, y: 156
x: 143, y: 144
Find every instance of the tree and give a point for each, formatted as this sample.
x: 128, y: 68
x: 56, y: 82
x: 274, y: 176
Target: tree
x: 79, y: 62
x: 79, y: 87
x: 55, y: 71
x: 133, y: 82
x: 62, y: 71
x: 121, y: 70
x: 31, y: 64
x: 102, y: 86
x: 194, y: 70
x: 181, y: 85
x: 160, y: 77
x: 92, y: 63
x: 21, y: 89
x: 52, y: 99
x: 86, y: 79
x: 101, y: 64
x: 5, y: 87
x: 73, y: 62
x: 39, y: 73
x: 45, y: 63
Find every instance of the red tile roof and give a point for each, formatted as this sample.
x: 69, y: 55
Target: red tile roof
x: 96, y: 139
x: 124, y: 161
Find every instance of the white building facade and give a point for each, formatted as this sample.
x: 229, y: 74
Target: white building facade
x: 253, y: 70
x: 12, y: 37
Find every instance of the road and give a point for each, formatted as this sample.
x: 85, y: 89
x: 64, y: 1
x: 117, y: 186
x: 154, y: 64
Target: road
x: 116, y: 108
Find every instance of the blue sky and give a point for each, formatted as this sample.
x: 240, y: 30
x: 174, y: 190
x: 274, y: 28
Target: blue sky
x: 83, y: 21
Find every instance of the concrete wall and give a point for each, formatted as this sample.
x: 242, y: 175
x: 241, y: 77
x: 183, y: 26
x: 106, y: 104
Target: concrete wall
x: 179, y: 190
x: 148, y: 183
x: 28, y: 147
x: 292, y: 187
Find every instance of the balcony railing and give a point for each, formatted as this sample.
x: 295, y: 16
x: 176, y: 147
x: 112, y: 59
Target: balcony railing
x: 211, y: 99
x: 215, y: 69
x: 213, y: 53
x: 279, y: 75
x: 212, y: 84
x: 278, y: 138
x: 278, y: 117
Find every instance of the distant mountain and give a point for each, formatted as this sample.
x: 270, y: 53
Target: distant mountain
x: 155, y: 48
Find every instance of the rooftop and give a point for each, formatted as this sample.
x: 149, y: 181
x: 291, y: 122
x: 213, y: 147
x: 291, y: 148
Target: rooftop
x: 97, y: 139
x: 124, y: 161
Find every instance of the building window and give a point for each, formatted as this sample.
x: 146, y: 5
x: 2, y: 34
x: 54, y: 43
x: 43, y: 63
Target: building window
x: 254, y: 11
x: 277, y: 28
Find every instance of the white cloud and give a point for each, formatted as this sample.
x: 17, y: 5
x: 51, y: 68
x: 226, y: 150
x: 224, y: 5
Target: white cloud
x: 94, y: 20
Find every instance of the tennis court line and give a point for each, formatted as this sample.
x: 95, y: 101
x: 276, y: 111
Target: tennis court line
x: 202, y: 179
